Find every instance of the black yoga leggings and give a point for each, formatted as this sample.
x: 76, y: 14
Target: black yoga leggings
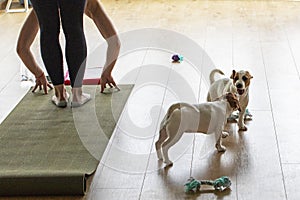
x: 70, y: 13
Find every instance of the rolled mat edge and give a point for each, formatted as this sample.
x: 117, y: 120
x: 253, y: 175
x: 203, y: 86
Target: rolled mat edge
x: 41, y: 185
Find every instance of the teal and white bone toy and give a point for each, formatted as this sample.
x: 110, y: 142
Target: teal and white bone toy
x: 219, y: 184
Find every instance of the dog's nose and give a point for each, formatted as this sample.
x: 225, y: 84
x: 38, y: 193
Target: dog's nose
x: 239, y: 85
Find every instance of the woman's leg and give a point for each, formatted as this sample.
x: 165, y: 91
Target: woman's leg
x: 47, y: 12
x: 48, y: 15
x: 71, y: 12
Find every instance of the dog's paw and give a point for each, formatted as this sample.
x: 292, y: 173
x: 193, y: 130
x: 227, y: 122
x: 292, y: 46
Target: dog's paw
x: 243, y: 128
x: 225, y: 134
x: 168, y: 163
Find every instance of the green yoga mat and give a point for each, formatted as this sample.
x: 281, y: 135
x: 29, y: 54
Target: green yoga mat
x: 45, y: 150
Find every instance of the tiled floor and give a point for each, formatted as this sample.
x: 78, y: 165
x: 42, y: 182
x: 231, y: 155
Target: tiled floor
x: 260, y: 36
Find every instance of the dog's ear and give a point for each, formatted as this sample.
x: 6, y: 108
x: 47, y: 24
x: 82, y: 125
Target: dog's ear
x: 248, y: 75
x: 233, y: 74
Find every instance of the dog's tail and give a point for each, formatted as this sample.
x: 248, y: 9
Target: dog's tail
x: 212, y: 75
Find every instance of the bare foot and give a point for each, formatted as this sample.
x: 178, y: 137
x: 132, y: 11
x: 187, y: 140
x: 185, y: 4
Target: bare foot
x: 79, y: 98
x: 60, y: 99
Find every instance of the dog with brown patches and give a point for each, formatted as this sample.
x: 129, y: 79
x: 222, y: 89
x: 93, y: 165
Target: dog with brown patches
x: 208, y: 118
x: 238, y: 83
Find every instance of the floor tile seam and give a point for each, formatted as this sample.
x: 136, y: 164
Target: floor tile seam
x: 160, y: 113
x: 110, y: 143
x: 9, y: 82
x: 273, y: 121
x: 292, y: 54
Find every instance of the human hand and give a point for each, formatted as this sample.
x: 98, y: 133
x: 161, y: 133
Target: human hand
x: 42, y: 83
x: 106, y: 78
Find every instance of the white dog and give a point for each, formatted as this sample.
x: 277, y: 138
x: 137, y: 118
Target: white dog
x: 209, y: 117
x: 238, y: 83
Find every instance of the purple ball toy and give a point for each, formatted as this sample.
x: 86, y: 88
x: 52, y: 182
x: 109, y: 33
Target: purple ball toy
x: 177, y: 58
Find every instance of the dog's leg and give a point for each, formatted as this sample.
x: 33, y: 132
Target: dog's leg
x: 243, y: 105
x: 162, y: 137
x: 174, y: 134
x: 165, y: 149
x: 172, y: 129
x: 225, y: 132
x: 241, y: 123
x: 219, y: 145
x: 167, y: 145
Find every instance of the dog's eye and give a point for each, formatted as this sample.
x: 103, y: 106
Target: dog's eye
x: 236, y: 78
x: 245, y: 78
